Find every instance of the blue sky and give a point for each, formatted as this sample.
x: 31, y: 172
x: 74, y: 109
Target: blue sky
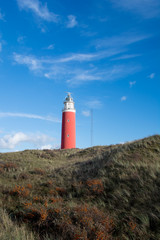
x: 106, y: 53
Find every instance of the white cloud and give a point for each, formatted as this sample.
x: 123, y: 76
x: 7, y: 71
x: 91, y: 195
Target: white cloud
x: 124, y: 98
x: 72, y: 22
x: 38, y: 9
x: 93, y: 104
x: 21, y: 39
x: 32, y: 62
x: 86, y: 113
x: 77, y: 57
x: 109, y: 74
x: 1, y: 16
x: 61, y: 68
x: 152, y: 75
x: 10, y: 141
x: 82, y: 77
x: 0, y: 47
x: 146, y: 8
x: 50, y: 47
x: 82, y: 57
x: 126, y: 56
x: 35, y: 63
x: 31, y: 116
x: 49, y: 146
x: 132, y: 83
x: 122, y: 41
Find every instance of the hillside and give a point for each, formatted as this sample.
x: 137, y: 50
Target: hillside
x: 99, y: 193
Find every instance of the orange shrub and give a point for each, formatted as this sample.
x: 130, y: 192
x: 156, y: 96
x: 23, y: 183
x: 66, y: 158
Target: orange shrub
x: 53, y: 192
x: 95, y: 185
x: 28, y: 204
x: 20, y: 191
x: 132, y: 225
x: 9, y: 166
x: 95, y: 222
x: 60, y: 190
x: 36, y: 198
x: 30, y: 215
x: 57, y: 210
x: 46, y: 204
x: 66, y: 219
x: 55, y: 200
x: 43, y: 214
x: 81, y: 209
x: 50, y: 182
x: 80, y: 235
x: 39, y: 171
x: 100, y: 235
x: 29, y: 186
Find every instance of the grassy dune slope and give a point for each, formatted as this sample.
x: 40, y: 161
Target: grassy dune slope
x: 99, y: 193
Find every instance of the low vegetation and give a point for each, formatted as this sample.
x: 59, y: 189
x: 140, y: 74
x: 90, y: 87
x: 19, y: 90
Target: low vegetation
x: 98, y: 193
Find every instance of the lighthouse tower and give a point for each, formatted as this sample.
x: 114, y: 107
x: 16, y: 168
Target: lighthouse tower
x: 68, y: 138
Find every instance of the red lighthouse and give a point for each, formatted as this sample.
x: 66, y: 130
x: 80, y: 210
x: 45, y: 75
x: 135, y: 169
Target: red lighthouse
x: 68, y: 138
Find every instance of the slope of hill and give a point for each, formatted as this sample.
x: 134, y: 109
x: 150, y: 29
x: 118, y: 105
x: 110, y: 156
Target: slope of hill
x: 99, y: 193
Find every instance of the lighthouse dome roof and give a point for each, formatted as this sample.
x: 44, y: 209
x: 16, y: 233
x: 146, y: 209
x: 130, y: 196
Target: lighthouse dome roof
x: 69, y: 104
x: 69, y: 98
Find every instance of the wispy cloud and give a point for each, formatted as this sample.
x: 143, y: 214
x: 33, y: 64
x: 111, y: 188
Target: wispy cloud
x: 151, y: 76
x: 146, y: 8
x: 77, y: 57
x: 94, y: 104
x: 35, y: 63
x: 82, y: 57
x: 124, y: 98
x: 122, y: 41
x: 31, y: 116
x: 0, y: 47
x: 72, y: 22
x: 38, y: 9
x: 126, y: 56
x: 10, y: 141
x: 80, y: 77
x: 132, y: 83
x: 62, y: 68
x: 108, y: 73
x: 51, y: 67
x: 2, y: 16
x: 30, y: 61
x: 21, y: 39
x: 86, y: 113
x: 50, y: 47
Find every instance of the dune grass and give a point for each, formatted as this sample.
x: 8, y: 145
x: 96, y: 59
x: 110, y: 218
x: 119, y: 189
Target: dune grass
x: 99, y: 193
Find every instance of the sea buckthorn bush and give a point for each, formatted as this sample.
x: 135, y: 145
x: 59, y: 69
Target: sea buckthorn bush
x: 61, y: 191
x: 37, y: 199
x: 20, y: 191
x: 29, y: 186
x: 9, y: 166
x: 56, y: 200
x: 38, y: 171
x: 95, y: 185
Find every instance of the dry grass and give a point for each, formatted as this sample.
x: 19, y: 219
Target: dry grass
x: 10, y: 231
x: 104, y: 192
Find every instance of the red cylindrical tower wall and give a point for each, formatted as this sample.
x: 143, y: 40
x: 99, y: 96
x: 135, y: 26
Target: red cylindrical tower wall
x: 68, y: 138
